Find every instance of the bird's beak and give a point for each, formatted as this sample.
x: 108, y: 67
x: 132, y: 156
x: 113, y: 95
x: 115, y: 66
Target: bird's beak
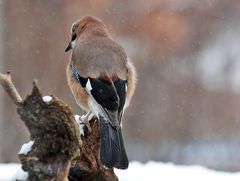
x: 69, y: 47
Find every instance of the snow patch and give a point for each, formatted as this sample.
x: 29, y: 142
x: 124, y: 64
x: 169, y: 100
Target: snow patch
x: 80, y: 124
x: 7, y: 171
x: 77, y: 118
x: 47, y: 99
x: 150, y: 171
x: 26, y: 147
x: 21, y: 175
x: 170, y: 172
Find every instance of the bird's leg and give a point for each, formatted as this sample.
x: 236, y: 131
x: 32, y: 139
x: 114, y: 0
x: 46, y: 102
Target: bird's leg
x: 84, y: 120
x: 85, y: 117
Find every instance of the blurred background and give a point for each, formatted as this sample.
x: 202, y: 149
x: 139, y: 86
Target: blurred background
x: 186, y: 108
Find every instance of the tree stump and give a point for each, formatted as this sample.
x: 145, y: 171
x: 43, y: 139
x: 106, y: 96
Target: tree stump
x: 57, y: 151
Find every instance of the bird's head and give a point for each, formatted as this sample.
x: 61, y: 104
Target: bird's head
x: 89, y: 24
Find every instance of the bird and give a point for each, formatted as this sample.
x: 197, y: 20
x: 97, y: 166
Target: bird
x: 102, y: 80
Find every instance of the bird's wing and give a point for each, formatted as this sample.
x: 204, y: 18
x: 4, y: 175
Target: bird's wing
x: 109, y: 94
x: 107, y: 99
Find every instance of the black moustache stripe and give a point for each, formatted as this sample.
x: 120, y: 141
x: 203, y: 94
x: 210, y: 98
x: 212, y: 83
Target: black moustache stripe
x: 74, y: 36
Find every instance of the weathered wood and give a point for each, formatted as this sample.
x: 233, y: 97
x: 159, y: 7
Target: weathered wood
x: 88, y: 167
x: 56, y: 137
x: 59, y: 153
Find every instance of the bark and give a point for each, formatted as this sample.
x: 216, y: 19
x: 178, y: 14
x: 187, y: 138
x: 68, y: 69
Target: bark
x: 88, y: 167
x: 59, y: 153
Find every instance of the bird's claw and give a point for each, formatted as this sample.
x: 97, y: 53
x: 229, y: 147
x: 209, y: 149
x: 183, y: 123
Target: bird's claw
x: 87, y: 117
x: 84, y: 124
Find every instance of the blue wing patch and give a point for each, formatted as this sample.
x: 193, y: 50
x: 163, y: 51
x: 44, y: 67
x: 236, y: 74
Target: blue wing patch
x: 75, y: 74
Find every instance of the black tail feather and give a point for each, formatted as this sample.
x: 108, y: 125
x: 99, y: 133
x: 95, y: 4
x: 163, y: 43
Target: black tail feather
x: 112, y: 151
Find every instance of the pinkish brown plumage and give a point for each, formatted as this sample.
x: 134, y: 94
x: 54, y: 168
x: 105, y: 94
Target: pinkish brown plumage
x: 102, y: 80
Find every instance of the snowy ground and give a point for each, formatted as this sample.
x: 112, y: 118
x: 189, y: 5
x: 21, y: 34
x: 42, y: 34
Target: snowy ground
x: 152, y: 171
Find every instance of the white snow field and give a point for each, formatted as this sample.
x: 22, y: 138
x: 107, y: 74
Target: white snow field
x: 151, y: 171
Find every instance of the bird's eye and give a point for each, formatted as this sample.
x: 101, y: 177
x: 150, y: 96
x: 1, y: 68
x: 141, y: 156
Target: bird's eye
x: 73, y: 30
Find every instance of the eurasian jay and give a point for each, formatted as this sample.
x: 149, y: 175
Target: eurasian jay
x: 102, y: 80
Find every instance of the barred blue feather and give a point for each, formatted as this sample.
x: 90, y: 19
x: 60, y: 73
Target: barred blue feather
x: 75, y: 73
x: 78, y: 78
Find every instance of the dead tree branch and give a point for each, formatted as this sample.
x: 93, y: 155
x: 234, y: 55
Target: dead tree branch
x: 6, y: 81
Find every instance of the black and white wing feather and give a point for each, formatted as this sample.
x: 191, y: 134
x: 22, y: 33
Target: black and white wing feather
x: 107, y: 99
